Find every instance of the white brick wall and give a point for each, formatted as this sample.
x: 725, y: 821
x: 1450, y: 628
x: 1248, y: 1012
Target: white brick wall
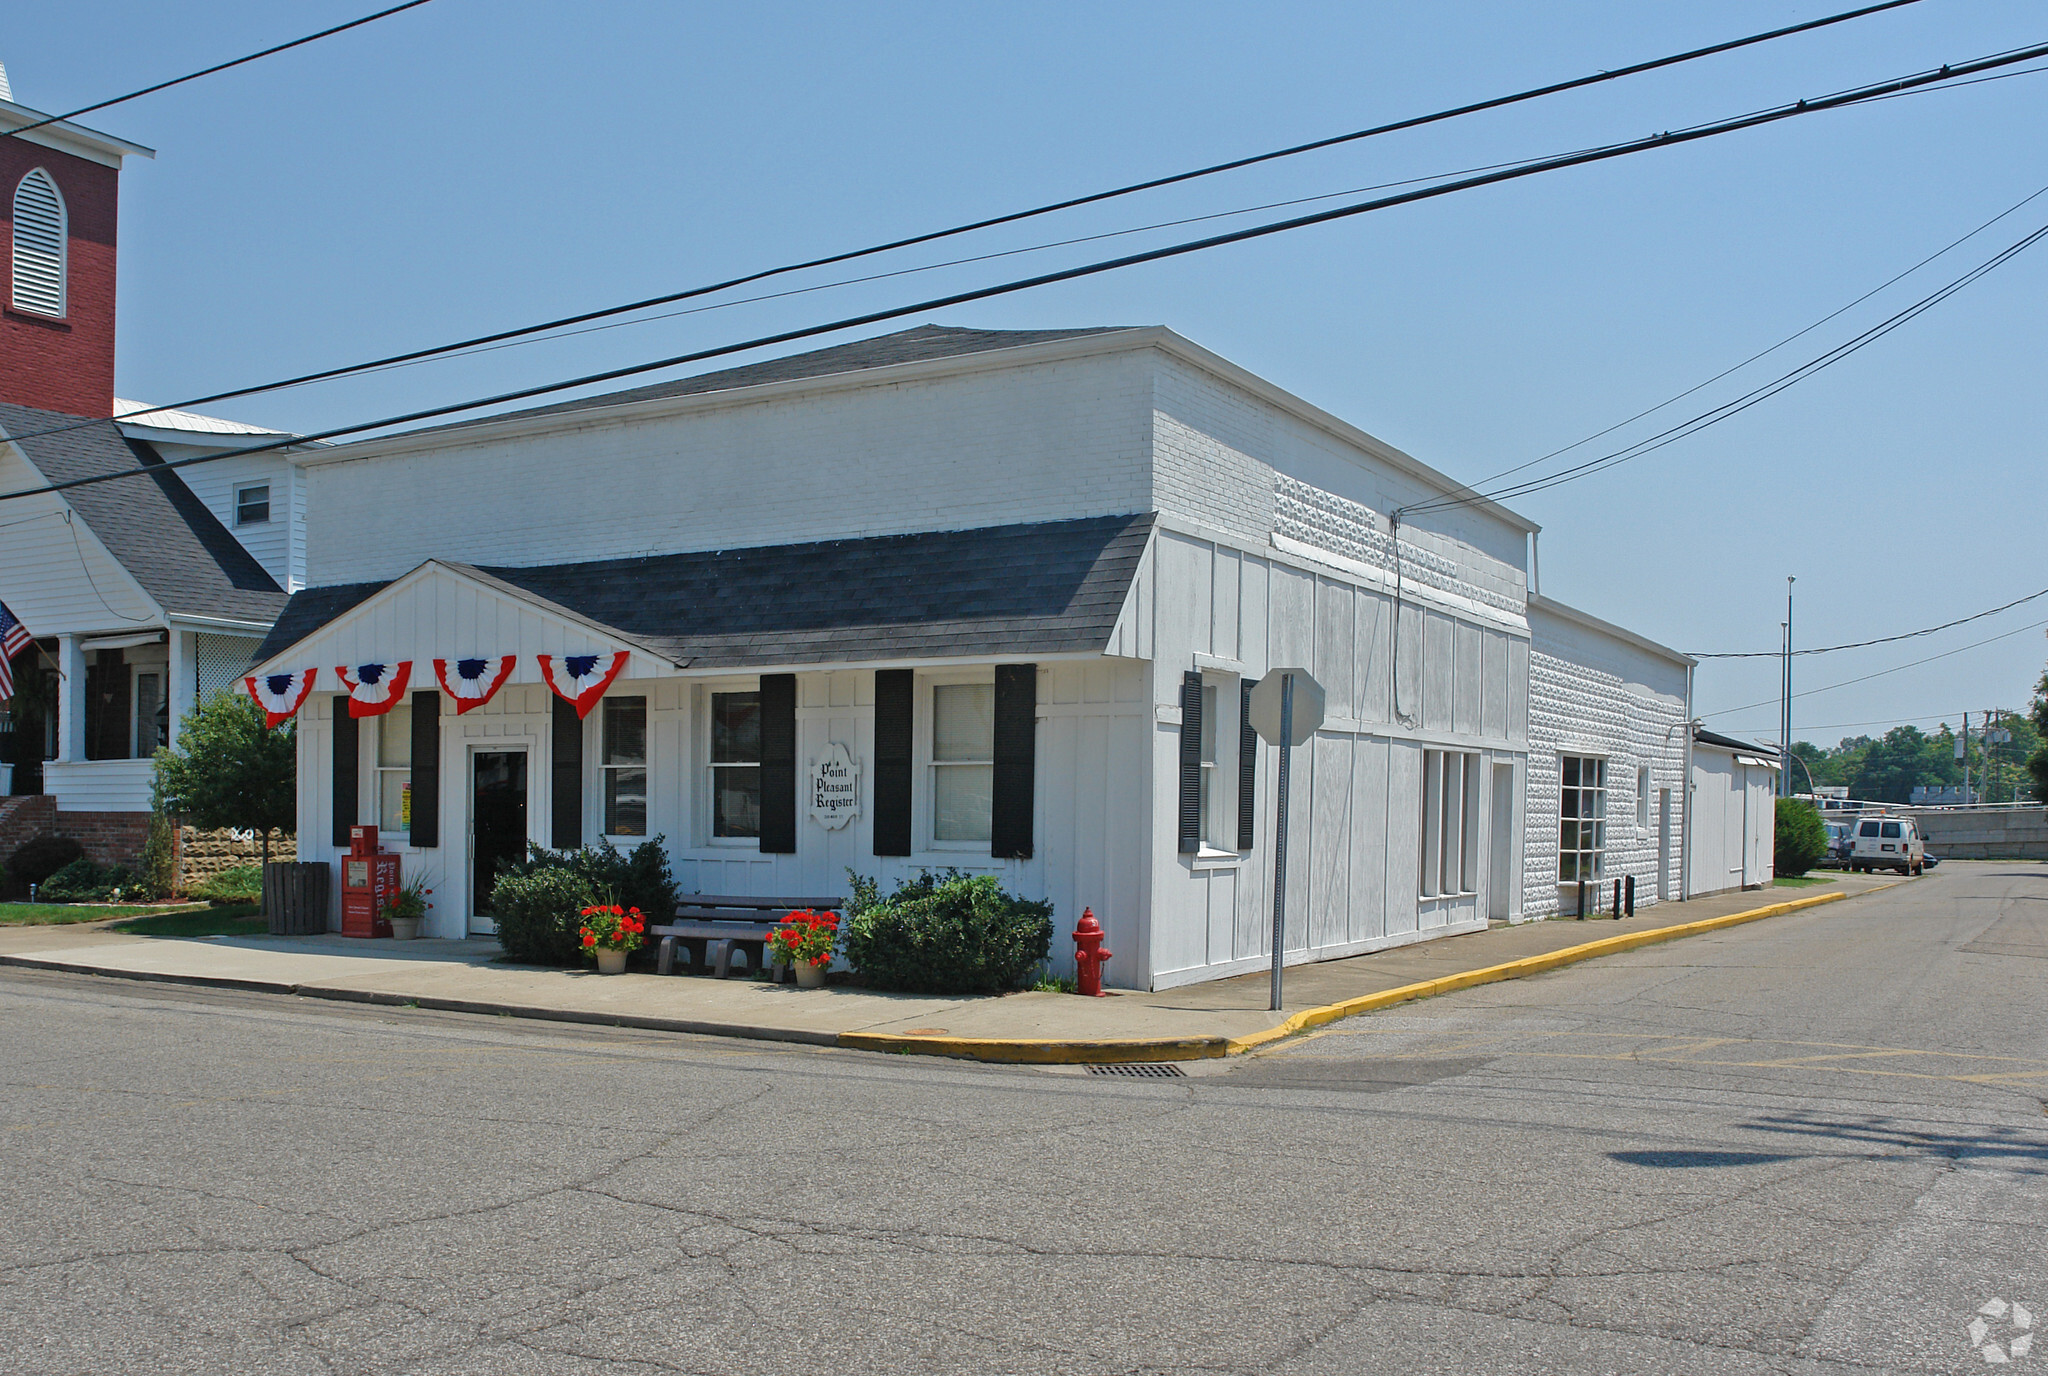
x: 1590, y: 694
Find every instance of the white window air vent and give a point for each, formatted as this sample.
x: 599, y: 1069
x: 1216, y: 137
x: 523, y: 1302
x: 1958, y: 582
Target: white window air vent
x: 39, y: 245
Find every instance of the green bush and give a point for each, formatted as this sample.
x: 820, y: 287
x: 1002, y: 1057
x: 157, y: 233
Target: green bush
x: 82, y: 881
x: 1801, y: 840
x: 538, y: 921
x: 945, y: 933
x: 36, y: 860
x: 539, y: 912
x: 236, y: 884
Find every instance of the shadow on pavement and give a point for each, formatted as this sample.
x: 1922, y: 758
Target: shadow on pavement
x: 1675, y: 1160
x: 1987, y: 1144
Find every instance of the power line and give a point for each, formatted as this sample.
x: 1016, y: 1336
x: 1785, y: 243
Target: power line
x: 1412, y: 122
x: 1715, y: 415
x: 1953, y: 244
x: 1882, y: 640
x: 1667, y: 139
x: 216, y: 67
x: 1897, y: 668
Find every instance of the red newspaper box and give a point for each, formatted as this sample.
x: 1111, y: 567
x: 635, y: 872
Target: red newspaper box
x: 369, y: 880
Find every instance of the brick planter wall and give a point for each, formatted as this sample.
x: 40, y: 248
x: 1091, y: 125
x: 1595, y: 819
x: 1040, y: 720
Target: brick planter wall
x: 203, y: 854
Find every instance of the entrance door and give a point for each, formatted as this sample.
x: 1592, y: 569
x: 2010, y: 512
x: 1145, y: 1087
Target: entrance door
x: 1663, y: 844
x: 497, y: 825
x: 1499, y: 885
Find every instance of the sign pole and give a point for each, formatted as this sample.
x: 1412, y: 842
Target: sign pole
x: 1280, y: 838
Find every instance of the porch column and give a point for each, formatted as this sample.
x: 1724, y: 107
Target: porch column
x: 181, y: 693
x: 70, y: 700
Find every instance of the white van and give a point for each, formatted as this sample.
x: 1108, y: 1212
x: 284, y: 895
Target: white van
x: 1888, y: 843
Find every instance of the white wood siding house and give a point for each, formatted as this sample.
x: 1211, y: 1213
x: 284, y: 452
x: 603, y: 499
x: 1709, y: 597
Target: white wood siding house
x: 851, y: 535
x: 141, y: 598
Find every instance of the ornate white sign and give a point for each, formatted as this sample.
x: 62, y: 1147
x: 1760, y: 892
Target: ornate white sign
x: 835, y: 788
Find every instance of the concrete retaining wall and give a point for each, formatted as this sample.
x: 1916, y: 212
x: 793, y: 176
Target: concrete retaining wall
x: 1985, y: 833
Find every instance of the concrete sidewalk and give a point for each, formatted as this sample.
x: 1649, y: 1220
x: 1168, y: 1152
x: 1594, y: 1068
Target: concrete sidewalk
x: 1200, y: 1020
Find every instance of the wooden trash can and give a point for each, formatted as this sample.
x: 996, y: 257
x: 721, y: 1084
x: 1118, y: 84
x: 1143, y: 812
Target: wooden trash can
x: 296, y: 895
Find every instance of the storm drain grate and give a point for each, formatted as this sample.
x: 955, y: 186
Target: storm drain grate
x: 1143, y: 1070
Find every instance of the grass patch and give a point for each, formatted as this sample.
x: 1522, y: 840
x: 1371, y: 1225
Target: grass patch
x: 240, y: 919
x: 1802, y: 881
x: 50, y: 914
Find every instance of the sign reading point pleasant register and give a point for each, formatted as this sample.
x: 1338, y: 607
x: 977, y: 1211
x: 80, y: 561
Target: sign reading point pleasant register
x: 835, y: 788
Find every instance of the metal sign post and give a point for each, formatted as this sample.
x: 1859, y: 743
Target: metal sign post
x: 1286, y: 708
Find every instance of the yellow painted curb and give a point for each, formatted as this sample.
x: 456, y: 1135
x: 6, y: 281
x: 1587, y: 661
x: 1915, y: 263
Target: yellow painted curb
x: 1027, y: 1051
x: 1517, y: 969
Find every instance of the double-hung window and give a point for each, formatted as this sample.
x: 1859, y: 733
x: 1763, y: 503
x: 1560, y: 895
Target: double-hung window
x: 963, y: 761
x: 625, y: 766
x: 394, y: 771
x: 252, y: 505
x: 1450, y: 822
x: 152, y: 713
x: 1582, y: 819
x: 735, y: 765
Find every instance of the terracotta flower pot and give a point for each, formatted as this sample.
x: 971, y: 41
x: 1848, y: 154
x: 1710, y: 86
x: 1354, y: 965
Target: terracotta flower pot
x: 809, y: 976
x: 611, y: 962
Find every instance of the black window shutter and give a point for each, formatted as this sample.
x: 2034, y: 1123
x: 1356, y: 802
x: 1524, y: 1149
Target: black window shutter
x: 567, y: 832
x: 426, y: 769
x: 1016, y: 742
x: 778, y: 764
x: 1247, y: 769
x: 347, y: 769
x: 1190, y: 763
x: 892, y: 761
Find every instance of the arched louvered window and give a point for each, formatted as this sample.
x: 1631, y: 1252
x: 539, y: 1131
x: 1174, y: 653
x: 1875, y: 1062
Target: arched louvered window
x: 39, y: 245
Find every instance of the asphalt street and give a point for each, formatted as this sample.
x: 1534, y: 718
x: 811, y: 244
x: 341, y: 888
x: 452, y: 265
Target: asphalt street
x: 1812, y: 1144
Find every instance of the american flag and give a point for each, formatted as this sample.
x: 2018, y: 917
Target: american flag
x: 14, y: 638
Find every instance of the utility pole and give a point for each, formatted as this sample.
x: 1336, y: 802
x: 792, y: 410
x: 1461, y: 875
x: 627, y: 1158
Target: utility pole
x: 1963, y: 754
x: 1785, y: 714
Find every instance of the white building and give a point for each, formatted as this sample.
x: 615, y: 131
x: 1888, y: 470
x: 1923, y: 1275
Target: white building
x: 1023, y: 578
x: 1734, y: 814
x: 1608, y: 727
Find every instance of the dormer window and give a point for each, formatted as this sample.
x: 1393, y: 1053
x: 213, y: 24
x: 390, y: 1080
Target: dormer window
x: 252, y: 505
x: 39, y: 239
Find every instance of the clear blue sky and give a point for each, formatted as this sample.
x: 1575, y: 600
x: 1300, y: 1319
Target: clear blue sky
x: 474, y: 165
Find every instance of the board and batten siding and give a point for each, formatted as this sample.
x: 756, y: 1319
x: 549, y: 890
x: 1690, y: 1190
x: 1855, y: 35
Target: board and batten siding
x: 1088, y: 804
x: 1202, y: 602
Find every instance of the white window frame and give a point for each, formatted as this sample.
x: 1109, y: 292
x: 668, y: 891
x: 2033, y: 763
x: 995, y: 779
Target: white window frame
x: 243, y: 488
x: 162, y: 672
x: 1221, y: 709
x: 1643, y: 799
x: 63, y: 254
x: 595, y: 750
x: 1450, y: 823
x: 924, y: 725
x: 1597, y: 793
x: 704, y: 787
x: 378, y: 769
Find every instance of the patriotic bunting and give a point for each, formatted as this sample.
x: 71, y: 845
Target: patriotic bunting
x: 374, y: 689
x: 581, y: 679
x: 280, y: 695
x: 473, y: 682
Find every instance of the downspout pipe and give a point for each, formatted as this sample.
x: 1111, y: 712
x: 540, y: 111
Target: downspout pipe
x: 1685, y: 800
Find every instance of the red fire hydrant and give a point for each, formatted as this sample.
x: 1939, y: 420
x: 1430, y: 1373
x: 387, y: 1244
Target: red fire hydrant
x: 1089, y: 955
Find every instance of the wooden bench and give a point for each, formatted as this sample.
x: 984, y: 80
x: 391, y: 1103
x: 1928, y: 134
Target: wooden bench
x: 710, y: 927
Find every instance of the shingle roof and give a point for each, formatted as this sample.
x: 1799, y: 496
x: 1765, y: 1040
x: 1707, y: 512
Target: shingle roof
x: 179, y: 552
x: 1043, y: 588
x: 918, y: 345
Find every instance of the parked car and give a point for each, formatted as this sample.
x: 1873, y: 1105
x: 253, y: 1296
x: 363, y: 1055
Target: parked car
x: 1888, y: 843
x: 1928, y: 860
x: 1840, y: 842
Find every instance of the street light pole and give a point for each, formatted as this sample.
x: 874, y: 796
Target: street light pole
x: 1785, y: 716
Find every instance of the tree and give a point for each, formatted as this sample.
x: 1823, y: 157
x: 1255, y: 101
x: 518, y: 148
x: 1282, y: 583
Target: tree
x: 229, y: 771
x: 1801, y: 838
x: 2037, y: 763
